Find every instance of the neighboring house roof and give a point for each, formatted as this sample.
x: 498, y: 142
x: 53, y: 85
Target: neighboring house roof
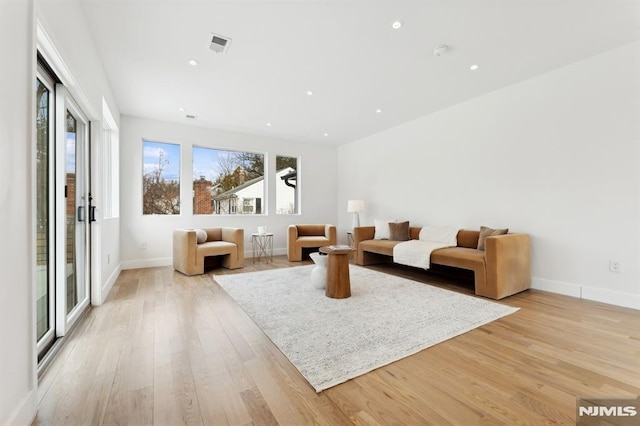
x: 291, y: 175
x: 230, y: 193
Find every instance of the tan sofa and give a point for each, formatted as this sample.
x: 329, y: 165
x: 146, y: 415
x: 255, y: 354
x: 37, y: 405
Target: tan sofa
x: 188, y: 255
x: 502, y: 269
x: 308, y: 236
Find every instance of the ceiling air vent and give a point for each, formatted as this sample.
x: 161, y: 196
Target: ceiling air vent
x: 219, y: 44
x: 190, y: 117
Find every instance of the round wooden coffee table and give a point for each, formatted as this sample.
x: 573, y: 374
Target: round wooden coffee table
x: 338, y: 282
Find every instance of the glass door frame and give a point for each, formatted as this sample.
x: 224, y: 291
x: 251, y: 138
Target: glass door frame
x: 48, y: 338
x: 65, y: 103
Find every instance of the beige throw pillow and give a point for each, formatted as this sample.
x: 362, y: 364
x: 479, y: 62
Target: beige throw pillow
x: 201, y: 236
x: 399, y: 231
x: 487, y: 232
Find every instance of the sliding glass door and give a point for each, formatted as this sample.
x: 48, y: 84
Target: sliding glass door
x: 62, y: 227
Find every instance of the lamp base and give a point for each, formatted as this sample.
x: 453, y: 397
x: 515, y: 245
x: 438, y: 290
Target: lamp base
x: 356, y: 220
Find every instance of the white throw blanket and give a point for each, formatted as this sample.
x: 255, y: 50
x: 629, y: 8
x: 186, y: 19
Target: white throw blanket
x: 417, y: 253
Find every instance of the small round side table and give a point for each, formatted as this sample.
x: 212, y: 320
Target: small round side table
x: 262, y: 246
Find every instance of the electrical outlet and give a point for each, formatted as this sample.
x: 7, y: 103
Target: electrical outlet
x: 143, y: 246
x: 615, y: 266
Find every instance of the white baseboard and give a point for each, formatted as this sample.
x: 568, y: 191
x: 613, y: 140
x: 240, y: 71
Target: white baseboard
x: 557, y: 287
x: 626, y: 300
x: 146, y: 263
x: 26, y: 411
x: 276, y: 252
x: 106, y: 288
x: 167, y: 261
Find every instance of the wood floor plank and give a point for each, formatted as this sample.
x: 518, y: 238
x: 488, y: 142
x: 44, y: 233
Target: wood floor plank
x: 170, y: 349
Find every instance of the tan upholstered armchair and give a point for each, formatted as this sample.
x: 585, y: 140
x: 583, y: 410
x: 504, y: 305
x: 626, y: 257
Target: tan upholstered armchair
x: 188, y: 254
x: 308, y: 236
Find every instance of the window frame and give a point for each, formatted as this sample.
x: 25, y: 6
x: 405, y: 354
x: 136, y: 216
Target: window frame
x: 297, y: 191
x: 178, y: 174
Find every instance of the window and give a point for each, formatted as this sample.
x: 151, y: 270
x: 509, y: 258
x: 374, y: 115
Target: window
x: 287, y: 185
x: 110, y: 164
x: 160, y: 178
x: 227, y: 182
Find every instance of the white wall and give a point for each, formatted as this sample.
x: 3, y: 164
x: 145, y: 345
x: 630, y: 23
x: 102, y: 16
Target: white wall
x: 18, y: 393
x: 74, y: 57
x: 555, y: 156
x: 318, y: 180
x: 67, y: 45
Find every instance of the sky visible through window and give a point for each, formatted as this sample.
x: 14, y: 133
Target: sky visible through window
x: 205, y: 162
x: 169, y: 154
x: 70, y: 154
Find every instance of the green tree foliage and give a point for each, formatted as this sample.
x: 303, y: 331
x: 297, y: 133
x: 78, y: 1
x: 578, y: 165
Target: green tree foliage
x: 284, y: 162
x: 235, y: 168
x: 252, y: 164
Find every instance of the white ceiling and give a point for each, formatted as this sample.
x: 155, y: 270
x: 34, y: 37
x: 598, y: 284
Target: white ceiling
x: 344, y: 51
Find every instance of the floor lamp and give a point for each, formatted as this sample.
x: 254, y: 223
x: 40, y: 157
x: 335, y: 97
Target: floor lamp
x: 355, y: 207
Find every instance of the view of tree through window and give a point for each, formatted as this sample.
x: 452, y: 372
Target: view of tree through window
x: 227, y: 182
x: 286, y: 185
x: 161, y: 178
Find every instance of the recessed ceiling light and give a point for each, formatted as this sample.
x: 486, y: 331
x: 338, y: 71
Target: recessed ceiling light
x: 181, y: 109
x: 473, y: 67
x: 378, y: 111
x: 396, y: 25
x: 193, y: 62
x: 310, y: 92
x: 268, y: 124
x: 326, y: 134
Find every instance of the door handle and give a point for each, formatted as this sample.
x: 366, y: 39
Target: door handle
x: 80, y: 213
x: 92, y: 213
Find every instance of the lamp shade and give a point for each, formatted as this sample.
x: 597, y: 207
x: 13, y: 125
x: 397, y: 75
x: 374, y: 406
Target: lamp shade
x: 355, y: 206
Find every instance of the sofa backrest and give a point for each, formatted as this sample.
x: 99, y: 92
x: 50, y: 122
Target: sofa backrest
x: 468, y: 239
x: 414, y: 232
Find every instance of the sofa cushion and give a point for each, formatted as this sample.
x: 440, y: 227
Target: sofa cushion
x: 487, y: 232
x: 382, y: 229
x: 201, y: 236
x: 459, y: 257
x: 399, y: 231
x: 378, y: 246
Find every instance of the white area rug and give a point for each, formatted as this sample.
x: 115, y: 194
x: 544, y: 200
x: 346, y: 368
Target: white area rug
x: 333, y: 340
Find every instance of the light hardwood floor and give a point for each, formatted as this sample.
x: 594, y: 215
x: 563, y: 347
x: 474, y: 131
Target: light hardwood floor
x: 170, y: 349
